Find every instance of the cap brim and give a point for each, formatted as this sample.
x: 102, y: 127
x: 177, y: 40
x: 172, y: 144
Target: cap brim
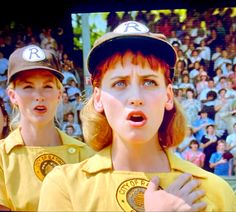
x: 147, y: 45
x: 53, y: 71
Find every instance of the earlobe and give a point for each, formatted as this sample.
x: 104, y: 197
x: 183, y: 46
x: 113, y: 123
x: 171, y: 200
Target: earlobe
x: 97, y: 100
x: 169, y: 105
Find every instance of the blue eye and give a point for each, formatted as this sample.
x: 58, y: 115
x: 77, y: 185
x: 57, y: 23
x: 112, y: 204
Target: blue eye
x: 149, y: 83
x: 119, y: 84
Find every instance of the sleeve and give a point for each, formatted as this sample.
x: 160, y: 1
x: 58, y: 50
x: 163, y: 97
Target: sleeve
x: 213, y: 158
x: 3, y: 193
x: 53, y: 194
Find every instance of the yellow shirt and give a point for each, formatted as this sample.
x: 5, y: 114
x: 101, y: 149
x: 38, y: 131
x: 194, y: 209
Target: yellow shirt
x: 22, y: 168
x: 92, y: 185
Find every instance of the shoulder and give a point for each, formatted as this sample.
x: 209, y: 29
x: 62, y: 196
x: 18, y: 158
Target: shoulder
x: 67, y: 172
x: 85, y: 150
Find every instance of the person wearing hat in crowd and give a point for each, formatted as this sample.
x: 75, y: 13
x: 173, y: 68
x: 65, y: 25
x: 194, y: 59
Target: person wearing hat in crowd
x: 202, y: 83
x: 199, y: 125
x: 133, y: 120
x: 208, y: 144
x: 35, y: 146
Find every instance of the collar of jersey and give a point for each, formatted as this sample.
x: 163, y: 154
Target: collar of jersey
x: 102, y: 161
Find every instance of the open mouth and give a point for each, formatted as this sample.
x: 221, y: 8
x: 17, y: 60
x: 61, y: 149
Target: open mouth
x: 40, y: 108
x: 137, y: 118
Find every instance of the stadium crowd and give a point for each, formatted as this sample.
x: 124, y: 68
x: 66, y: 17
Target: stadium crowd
x: 204, y: 79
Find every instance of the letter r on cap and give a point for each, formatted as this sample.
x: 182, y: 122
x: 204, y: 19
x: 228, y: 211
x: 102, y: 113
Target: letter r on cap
x: 131, y: 25
x: 33, y: 51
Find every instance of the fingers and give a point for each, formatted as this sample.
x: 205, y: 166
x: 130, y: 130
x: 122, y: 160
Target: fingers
x: 189, y: 186
x: 194, y: 196
x: 153, y: 184
x: 179, y: 182
x: 199, y: 206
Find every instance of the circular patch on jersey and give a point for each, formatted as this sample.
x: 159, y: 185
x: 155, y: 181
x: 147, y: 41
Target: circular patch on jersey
x: 130, y: 194
x: 44, y: 163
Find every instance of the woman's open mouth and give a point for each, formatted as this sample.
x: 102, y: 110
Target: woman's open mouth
x: 137, y: 118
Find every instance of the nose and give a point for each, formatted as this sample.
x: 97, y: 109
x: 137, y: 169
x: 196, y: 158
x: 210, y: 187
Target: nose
x: 136, y: 102
x: 39, y: 97
x: 135, y: 97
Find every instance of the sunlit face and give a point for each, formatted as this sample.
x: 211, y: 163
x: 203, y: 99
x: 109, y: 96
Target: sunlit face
x: 134, y: 100
x: 36, y: 95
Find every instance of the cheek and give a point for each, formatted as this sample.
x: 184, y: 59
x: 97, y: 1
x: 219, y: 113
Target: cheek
x: 111, y: 104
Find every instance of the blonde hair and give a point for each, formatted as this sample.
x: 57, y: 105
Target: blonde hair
x: 97, y: 131
x: 15, y: 116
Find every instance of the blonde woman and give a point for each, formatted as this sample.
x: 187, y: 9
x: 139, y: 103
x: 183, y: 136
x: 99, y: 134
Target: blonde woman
x: 36, y: 146
x: 133, y: 120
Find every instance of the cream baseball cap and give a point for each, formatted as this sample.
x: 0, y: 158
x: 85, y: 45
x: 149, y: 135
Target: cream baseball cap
x: 33, y: 57
x: 131, y: 35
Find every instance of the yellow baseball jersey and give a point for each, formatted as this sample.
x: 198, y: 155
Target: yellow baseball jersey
x: 23, y: 168
x: 93, y: 185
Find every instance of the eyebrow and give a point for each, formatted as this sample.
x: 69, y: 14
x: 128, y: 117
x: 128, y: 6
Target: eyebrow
x: 142, y: 76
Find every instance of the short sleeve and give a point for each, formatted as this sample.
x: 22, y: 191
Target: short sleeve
x: 53, y: 195
x: 3, y: 193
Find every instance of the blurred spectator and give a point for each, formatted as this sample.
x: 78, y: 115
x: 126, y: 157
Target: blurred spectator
x: 199, y: 126
x: 231, y: 146
x: 184, y: 145
x: 194, y: 154
x: 112, y: 21
x: 230, y: 116
x: 213, y: 40
x: 209, y: 143
x: 48, y: 41
x: 222, y: 105
x: 203, y: 83
x: 3, y: 66
x: 4, y: 121
x: 78, y: 104
x: 210, y: 87
x: 70, y: 120
x: 72, y: 88
x: 221, y: 165
x: 191, y: 106
x: 209, y: 104
x: 64, y: 108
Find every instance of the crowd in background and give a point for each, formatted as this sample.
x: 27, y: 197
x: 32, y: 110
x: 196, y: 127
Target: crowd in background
x: 204, y: 79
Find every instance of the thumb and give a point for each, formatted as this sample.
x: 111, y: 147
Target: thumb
x: 153, y: 184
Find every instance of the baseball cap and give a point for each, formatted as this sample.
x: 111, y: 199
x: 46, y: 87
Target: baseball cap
x: 134, y: 36
x: 33, y: 57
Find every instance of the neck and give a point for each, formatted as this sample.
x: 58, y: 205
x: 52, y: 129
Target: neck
x: 40, y: 136
x: 140, y: 157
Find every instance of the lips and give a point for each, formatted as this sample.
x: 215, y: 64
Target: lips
x: 40, y: 108
x: 137, y: 118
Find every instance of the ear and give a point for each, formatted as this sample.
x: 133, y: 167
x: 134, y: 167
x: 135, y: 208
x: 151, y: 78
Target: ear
x: 12, y: 95
x: 5, y: 122
x: 59, y: 95
x: 97, y: 100
x: 170, y: 98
